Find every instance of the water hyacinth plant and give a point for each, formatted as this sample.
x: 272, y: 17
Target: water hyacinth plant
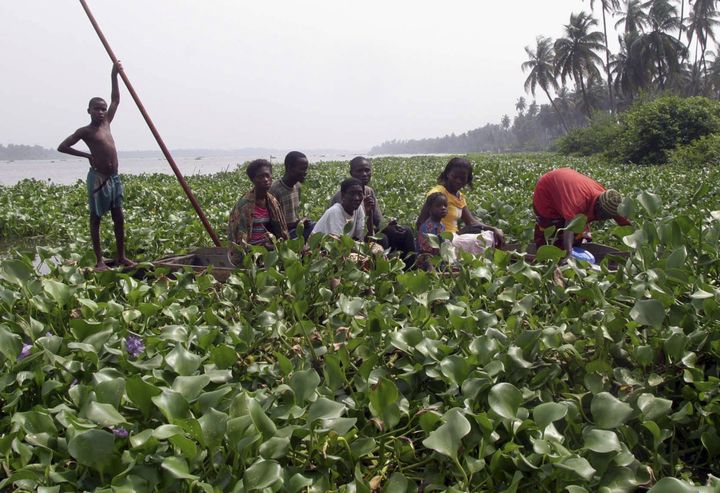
x: 311, y: 374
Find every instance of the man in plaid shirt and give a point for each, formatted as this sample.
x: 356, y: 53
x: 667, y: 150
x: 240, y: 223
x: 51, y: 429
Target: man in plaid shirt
x: 287, y: 192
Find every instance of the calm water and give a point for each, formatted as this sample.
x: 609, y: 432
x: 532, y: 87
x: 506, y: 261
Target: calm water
x: 68, y: 171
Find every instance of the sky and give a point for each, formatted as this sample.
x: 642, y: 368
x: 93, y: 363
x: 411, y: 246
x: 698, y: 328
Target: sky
x: 229, y: 74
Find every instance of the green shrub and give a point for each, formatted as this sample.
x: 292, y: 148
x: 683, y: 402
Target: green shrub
x: 594, y: 139
x: 651, y: 130
x: 700, y: 152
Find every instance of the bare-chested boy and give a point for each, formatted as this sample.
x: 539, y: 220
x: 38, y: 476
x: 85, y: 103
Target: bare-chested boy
x: 105, y: 192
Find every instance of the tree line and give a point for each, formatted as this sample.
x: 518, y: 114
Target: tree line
x: 665, y: 47
x: 13, y: 152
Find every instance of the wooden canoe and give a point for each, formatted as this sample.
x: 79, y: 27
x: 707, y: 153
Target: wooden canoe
x: 213, y: 260
x: 599, y: 252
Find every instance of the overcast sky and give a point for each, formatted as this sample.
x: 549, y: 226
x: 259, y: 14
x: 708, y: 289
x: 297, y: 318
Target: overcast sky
x: 278, y: 74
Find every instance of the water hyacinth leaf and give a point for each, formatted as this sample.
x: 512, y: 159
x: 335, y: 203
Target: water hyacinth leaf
x: 172, y: 404
x: 505, y: 400
x: 141, y: 393
x: 339, y: 425
x: 650, y: 202
x: 648, y: 312
x: 577, y: 465
x: 16, y: 272
x: 577, y: 224
x: 324, y: 408
x: 213, y: 425
x: 163, y: 432
x: 608, y: 411
x: 397, y: 483
x: 10, y: 344
x: 350, y: 306
x: 711, y: 441
x: 298, y: 483
x: 549, y: 252
x: 601, y: 441
x: 653, y: 407
x: 263, y: 474
x: 190, y: 387
x: 383, y: 403
x: 304, y: 383
x: 182, y: 361
x: 223, y: 356
x: 104, y: 414
x: 275, y: 448
x: 455, y: 368
x: 576, y: 489
x: 177, y: 467
x: 111, y: 391
x: 93, y: 448
x: 264, y: 425
x: 60, y: 292
x: 447, y: 438
x: 672, y: 485
x: 548, y: 412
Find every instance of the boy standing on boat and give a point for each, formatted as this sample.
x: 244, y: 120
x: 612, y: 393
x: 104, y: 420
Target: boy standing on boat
x: 105, y: 191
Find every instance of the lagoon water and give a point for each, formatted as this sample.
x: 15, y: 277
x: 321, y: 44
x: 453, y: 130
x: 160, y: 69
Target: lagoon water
x: 69, y: 171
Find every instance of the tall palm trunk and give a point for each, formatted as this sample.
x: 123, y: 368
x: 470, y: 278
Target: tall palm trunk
x: 578, y: 77
x: 562, y: 119
x: 607, y: 65
x: 682, y: 14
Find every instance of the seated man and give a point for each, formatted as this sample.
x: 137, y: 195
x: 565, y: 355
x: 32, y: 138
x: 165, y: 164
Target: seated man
x: 398, y: 238
x: 562, y: 194
x: 347, y: 211
x: 287, y: 191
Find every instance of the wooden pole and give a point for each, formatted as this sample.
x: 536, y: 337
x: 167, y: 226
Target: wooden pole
x: 154, y: 131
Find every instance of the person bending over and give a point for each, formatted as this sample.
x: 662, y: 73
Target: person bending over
x: 562, y: 194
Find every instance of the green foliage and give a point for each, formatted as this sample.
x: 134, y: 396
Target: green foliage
x: 648, y: 132
x: 498, y: 376
x: 700, y: 152
x: 653, y: 129
x: 600, y: 135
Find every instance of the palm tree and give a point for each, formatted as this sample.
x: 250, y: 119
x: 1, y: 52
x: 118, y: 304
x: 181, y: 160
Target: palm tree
x: 701, y: 23
x: 520, y: 105
x: 634, y: 17
x: 657, y: 45
x: 630, y: 73
x: 542, y: 71
x: 607, y: 6
x: 575, y: 55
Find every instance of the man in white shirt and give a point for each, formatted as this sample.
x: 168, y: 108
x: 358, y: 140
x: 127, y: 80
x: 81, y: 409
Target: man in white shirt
x: 335, y: 220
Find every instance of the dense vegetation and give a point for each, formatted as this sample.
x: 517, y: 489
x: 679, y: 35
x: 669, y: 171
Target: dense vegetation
x: 666, y: 48
x: 649, y: 133
x: 504, y: 376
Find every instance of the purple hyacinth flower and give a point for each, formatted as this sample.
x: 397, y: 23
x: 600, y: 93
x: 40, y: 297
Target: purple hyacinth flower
x: 134, y: 345
x: 120, y: 432
x: 25, y: 352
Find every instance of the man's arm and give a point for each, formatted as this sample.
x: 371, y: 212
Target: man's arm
x: 115, y: 92
x: 66, y: 145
